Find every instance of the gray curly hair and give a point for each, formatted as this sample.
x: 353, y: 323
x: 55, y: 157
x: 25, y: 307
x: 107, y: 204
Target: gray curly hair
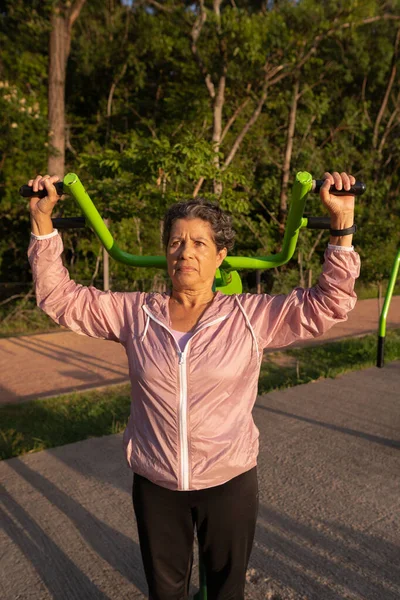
x: 220, y: 221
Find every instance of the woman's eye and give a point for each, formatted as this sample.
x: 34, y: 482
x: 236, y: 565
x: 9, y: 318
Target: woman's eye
x: 199, y: 243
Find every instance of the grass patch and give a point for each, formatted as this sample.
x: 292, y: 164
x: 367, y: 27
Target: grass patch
x: 366, y: 291
x: 47, y: 423
x: 302, y: 365
x: 24, y: 320
x: 51, y: 422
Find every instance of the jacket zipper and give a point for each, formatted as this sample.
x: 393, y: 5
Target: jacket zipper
x: 183, y: 430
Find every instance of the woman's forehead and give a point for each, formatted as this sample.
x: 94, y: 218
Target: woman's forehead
x: 192, y: 227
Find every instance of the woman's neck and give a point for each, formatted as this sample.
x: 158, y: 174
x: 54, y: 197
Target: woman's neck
x: 192, y: 298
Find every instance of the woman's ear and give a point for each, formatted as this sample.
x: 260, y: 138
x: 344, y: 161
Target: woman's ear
x: 221, y: 256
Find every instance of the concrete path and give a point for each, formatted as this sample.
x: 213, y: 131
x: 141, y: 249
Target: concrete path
x: 50, y: 364
x: 328, y: 526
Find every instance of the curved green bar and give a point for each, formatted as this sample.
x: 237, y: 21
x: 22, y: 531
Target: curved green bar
x: 389, y: 293
x: 73, y: 186
x: 295, y: 221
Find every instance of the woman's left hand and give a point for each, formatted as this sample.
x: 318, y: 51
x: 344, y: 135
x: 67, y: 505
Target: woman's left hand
x: 338, y: 206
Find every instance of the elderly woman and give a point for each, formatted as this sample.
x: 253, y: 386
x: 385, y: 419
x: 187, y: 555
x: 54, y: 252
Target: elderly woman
x: 194, y: 360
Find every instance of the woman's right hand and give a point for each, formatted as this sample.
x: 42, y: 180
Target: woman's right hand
x: 43, y: 207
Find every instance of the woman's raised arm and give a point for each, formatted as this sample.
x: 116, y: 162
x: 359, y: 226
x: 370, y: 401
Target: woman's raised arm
x: 84, y: 310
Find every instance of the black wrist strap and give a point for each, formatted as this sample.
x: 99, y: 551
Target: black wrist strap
x: 340, y: 232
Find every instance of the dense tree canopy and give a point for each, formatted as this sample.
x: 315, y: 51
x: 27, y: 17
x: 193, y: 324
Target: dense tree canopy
x: 228, y: 100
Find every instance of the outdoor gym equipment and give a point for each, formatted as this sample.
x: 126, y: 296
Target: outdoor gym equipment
x: 385, y: 310
x: 227, y: 279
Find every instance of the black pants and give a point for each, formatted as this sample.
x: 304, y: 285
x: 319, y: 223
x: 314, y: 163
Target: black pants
x: 225, y: 518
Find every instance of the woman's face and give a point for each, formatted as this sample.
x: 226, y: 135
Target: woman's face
x: 192, y: 255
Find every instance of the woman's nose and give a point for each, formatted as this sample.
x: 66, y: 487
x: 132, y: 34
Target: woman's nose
x: 185, y: 250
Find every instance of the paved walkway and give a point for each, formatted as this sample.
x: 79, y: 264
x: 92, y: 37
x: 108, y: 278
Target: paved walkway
x: 50, y: 364
x: 328, y: 526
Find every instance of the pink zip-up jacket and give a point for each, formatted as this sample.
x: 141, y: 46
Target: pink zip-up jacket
x: 191, y: 424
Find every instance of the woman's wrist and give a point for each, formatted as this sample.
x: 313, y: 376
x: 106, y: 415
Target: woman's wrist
x: 41, y: 224
x: 340, y: 222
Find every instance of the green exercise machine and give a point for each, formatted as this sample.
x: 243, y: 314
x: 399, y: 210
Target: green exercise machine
x: 227, y: 279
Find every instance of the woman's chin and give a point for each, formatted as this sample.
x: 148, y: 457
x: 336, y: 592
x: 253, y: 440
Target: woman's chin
x: 187, y: 274
x: 185, y: 280
x: 189, y: 279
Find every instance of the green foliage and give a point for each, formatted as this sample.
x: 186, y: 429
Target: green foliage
x: 23, y: 124
x: 151, y: 173
x: 141, y: 122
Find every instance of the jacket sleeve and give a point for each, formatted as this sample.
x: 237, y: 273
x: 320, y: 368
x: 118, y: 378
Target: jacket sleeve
x: 84, y: 310
x: 282, y: 320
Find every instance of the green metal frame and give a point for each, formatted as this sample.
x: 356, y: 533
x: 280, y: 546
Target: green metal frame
x: 385, y: 311
x: 227, y: 279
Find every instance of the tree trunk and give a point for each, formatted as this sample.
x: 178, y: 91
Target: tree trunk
x: 258, y: 281
x: 62, y: 20
x: 106, y: 263
x: 218, y: 106
x: 106, y: 270
x: 161, y: 229
x: 288, y: 153
x: 301, y: 270
x: 219, y: 99
x: 57, y: 71
x: 392, y: 79
x: 137, y: 222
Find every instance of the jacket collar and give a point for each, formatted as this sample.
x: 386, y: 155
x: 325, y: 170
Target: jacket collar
x: 158, y: 305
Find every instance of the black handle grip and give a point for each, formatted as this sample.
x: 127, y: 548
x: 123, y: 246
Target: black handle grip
x: 356, y: 190
x: 27, y: 191
x: 318, y: 222
x: 69, y: 222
